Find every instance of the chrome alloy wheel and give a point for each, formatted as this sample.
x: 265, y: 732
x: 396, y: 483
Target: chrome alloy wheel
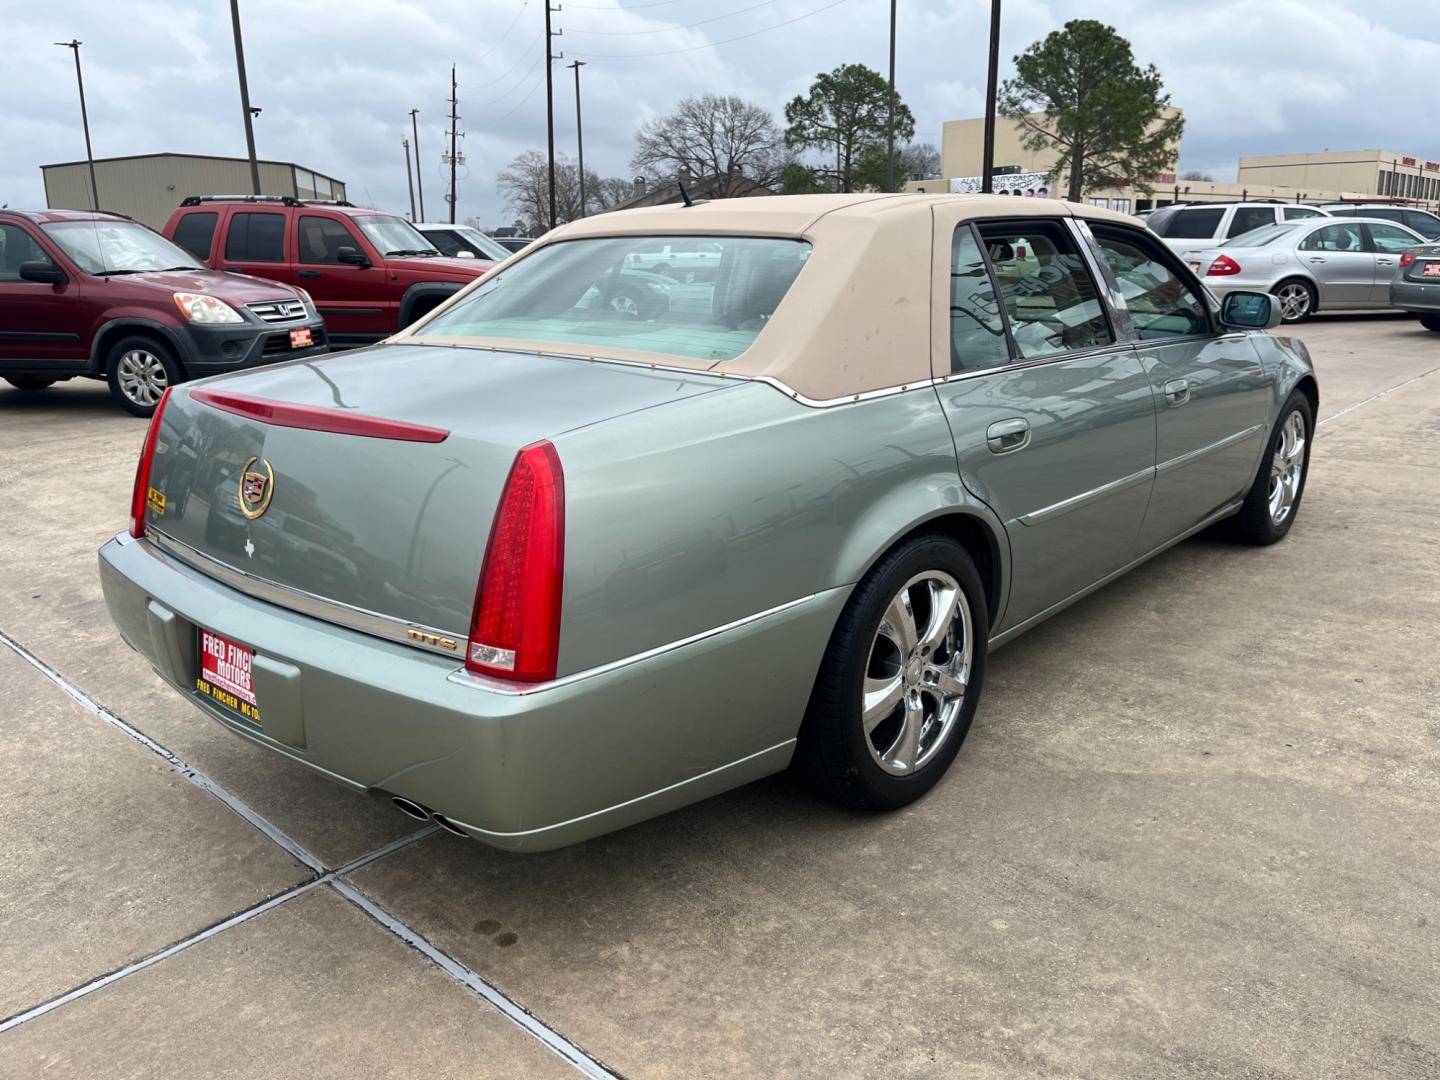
x: 1287, y: 467
x: 1294, y: 301
x: 917, y: 672
x: 625, y: 304
x: 142, y: 377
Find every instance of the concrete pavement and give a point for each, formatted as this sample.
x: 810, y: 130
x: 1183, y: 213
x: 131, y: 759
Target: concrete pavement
x: 1193, y: 833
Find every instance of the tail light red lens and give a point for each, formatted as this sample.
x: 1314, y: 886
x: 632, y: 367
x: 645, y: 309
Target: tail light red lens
x: 515, y: 627
x: 140, y: 496
x: 1223, y: 267
x: 1407, y: 260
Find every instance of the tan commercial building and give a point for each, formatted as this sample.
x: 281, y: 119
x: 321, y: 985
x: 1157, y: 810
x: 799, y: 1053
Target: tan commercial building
x: 1312, y: 178
x: 148, y: 187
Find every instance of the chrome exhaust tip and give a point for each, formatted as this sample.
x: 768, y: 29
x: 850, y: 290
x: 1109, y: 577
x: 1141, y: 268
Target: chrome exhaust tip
x: 448, y: 825
x: 410, y: 808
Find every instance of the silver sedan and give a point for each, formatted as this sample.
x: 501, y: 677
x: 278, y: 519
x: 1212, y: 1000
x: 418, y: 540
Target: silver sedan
x: 1310, y: 266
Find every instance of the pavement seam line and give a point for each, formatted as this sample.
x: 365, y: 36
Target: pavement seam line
x: 187, y: 771
x: 1373, y: 397
x: 210, y: 931
x: 532, y: 1024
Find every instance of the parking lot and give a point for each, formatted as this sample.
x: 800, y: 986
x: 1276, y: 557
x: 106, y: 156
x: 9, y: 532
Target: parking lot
x: 1194, y: 833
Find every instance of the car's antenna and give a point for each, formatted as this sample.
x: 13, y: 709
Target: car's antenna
x: 683, y: 193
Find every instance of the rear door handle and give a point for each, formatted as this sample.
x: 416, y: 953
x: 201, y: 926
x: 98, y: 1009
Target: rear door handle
x: 308, y: 274
x: 1007, y: 436
x: 1385, y: 262
x: 1317, y: 258
x: 1177, y: 392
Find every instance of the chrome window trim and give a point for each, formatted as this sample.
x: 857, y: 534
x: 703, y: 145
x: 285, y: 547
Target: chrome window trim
x: 386, y: 627
x: 467, y: 678
x: 1195, y: 455
x: 1074, y: 502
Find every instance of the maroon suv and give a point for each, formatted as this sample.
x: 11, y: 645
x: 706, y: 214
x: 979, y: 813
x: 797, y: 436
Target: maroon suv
x: 97, y: 295
x: 371, y: 273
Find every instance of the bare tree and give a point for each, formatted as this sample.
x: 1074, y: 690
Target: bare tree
x: 920, y: 161
x: 711, y: 135
x: 525, y: 183
x: 1196, y: 174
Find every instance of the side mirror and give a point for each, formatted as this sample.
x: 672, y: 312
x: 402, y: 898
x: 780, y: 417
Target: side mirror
x: 463, y: 254
x: 47, y: 273
x: 350, y: 256
x: 1249, y: 311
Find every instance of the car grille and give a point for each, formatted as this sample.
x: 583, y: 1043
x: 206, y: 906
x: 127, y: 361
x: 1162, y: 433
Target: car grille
x: 279, y: 344
x: 278, y: 310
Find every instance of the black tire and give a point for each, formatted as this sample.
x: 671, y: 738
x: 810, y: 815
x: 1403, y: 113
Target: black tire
x: 30, y: 382
x: 139, y: 397
x: 835, y: 753
x: 1255, y: 523
x: 1430, y: 322
x: 1310, y: 307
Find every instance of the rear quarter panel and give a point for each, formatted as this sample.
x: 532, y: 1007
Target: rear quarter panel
x: 689, y: 517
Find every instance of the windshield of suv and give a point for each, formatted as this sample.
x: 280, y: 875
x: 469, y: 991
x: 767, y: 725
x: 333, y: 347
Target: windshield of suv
x: 462, y: 240
x: 1261, y: 236
x: 117, y: 247
x: 393, y: 235
x: 619, y: 291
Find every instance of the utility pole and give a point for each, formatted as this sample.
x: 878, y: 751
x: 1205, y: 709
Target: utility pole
x: 245, y: 97
x: 550, y: 58
x: 890, y: 119
x: 454, y: 156
x: 419, y: 172
x: 84, y: 120
x: 409, y: 180
x: 987, y: 174
x: 579, y: 132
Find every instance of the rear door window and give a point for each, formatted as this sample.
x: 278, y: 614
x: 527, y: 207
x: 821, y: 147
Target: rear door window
x: 977, y: 326
x: 1200, y: 223
x: 196, y: 233
x: 1390, y: 239
x: 256, y: 237
x: 1338, y: 237
x: 1049, y: 297
x: 1295, y: 213
x: 1250, y: 217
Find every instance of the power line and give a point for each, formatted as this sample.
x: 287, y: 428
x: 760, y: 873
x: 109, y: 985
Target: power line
x: 504, y: 35
x: 518, y: 104
x: 523, y: 53
x: 632, y: 7
x: 711, y: 44
x: 513, y: 86
x: 668, y: 29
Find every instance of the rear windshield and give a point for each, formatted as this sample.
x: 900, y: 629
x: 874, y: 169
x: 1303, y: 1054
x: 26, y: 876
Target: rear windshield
x: 701, y: 297
x: 1260, y: 237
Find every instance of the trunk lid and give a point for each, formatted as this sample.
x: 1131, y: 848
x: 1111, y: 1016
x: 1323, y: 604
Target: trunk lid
x: 390, y: 526
x: 1426, y: 267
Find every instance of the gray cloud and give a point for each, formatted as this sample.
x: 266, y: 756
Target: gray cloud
x: 337, y: 78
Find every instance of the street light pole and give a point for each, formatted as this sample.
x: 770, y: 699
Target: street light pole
x: 987, y: 167
x: 409, y: 180
x: 245, y: 97
x: 579, y: 132
x: 890, y: 119
x: 84, y: 120
x: 419, y: 171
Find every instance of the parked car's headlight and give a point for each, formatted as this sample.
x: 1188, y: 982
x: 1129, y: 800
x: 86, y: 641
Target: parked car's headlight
x: 199, y: 308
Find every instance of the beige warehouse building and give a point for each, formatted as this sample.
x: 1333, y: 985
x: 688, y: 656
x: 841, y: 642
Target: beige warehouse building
x: 1330, y: 176
x: 148, y: 187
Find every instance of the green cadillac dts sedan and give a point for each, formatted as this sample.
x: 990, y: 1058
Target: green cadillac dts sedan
x: 544, y: 564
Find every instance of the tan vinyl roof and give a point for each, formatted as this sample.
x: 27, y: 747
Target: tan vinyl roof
x: 858, y: 316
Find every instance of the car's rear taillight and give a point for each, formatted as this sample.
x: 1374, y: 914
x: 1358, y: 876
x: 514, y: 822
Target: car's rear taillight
x: 1407, y: 260
x: 140, y: 496
x: 515, y: 627
x: 1223, y: 267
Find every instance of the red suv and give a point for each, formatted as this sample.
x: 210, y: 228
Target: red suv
x: 370, y: 273
x: 94, y: 294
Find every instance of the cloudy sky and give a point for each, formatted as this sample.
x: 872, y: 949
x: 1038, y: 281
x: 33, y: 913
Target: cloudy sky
x: 337, y: 78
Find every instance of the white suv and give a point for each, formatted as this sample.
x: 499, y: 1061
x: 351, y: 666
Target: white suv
x: 1187, y: 226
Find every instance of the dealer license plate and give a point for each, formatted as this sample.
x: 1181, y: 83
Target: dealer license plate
x: 301, y: 338
x: 1432, y: 269
x: 225, y: 675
